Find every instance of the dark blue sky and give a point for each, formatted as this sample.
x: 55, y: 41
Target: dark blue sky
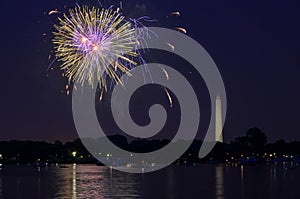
x: 256, y: 45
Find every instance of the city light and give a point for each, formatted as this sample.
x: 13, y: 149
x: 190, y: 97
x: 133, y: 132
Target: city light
x: 74, y: 153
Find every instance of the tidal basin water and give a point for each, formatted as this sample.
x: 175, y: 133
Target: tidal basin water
x: 204, y: 181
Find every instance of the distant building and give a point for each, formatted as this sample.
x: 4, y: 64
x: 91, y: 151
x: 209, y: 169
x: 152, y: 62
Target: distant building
x: 218, y: 125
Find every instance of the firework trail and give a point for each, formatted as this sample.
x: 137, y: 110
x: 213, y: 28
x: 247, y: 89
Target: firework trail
x: 169, y: 97
x: 54, y: 12
x: 176, y: 13
x: 166, y: 73
x: 171, y: 46
x: 99, y: 2
x: 93, y: 44
x: 101, y: 96
x: 183, y: 30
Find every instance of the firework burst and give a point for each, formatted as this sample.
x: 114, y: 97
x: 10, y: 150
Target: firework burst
x: 95, y: 43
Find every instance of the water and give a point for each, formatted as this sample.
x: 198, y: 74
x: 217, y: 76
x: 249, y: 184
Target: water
x: 205, y: 181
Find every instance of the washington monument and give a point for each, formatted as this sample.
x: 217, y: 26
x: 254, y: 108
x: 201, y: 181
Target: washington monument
x: 218, y: 130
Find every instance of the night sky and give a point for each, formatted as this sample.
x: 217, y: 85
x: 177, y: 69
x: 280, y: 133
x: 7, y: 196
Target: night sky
x: 255, y: 44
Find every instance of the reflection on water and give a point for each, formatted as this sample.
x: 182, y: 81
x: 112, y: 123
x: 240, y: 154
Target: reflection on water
x: 205, y: 181
x: 88, y: 181
x: 219, y: 182
x: 74, y: 182
x: 1, y: 195
x: 242, y: 179
x: 242, y: 173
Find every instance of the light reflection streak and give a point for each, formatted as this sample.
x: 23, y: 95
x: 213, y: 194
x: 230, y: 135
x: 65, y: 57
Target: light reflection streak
x: 1, y: 192
x: 242, y: 179
x: 39, y: 187
x: 74, y: 196
x: 18, y: 187
x: 219, y: 185
x: 242, y: 172
x: 89, y: 181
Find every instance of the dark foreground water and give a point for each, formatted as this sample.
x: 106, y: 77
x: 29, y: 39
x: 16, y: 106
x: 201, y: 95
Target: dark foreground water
x: 205, y: 181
